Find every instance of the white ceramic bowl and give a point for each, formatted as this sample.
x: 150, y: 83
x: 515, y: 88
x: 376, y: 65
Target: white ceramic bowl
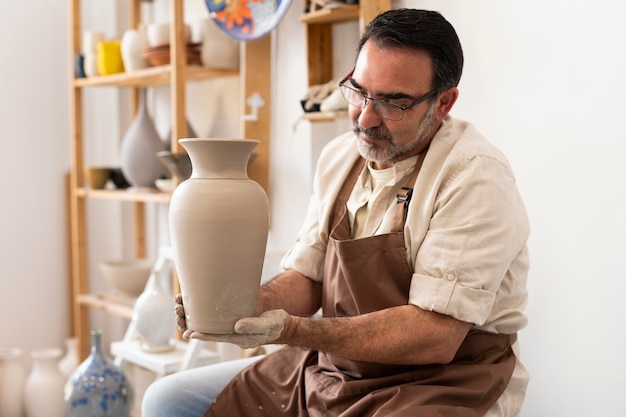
x: 128, y: 277
x: 158, y: 34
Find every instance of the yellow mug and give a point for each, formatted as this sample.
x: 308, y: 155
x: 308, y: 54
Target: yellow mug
x: 109, y: 57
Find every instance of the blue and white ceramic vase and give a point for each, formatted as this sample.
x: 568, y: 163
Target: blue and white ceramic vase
x: 98, y: 387
x: 140, y: 145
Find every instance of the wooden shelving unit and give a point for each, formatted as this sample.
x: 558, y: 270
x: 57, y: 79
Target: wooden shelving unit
x: 254, y: 77
x: 319, y: 36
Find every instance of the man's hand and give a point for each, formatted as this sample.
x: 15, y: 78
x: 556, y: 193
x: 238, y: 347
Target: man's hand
x: 250, y: 332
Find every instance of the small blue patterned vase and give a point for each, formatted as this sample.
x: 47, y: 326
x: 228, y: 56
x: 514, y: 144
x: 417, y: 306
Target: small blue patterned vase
x: 98, y: 387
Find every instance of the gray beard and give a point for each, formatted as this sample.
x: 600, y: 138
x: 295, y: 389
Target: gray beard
x: 394, y: 152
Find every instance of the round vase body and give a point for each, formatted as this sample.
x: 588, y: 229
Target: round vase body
x: 98, y: 388
x: 219, y: 220
x: 140, y: 164
x: 152, y: 315
x: 69, y: 362
x: 43, y: 391
x: 12, y: 379
x: 134, y: 41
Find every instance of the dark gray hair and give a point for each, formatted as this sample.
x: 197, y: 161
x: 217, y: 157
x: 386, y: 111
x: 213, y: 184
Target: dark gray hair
x: 421, y: 30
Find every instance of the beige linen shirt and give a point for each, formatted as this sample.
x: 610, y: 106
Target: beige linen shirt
x: 465, y: 233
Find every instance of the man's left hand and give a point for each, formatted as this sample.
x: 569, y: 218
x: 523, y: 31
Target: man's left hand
x: 250, y: 332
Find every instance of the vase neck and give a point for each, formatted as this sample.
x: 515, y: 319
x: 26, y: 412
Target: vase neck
x: 96, y: 343
x: 219, y: 158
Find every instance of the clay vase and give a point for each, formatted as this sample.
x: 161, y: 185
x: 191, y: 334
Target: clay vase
x: 140, y: 144
x: 12, y: 379
x: 219, y: 221
x: 43, y: 391
x: 133, y: 43
x: 69, y: 362
x: 98, y: 387
x: 152, y: 315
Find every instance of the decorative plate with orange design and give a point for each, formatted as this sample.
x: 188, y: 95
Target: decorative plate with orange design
x: 247, y: 20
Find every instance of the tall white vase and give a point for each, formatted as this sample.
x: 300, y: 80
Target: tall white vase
x: 43, y: 392
x: 219, y: 221
x: 12, y: 379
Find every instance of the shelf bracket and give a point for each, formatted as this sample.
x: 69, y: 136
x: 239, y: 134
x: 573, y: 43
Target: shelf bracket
x: 255, y: 101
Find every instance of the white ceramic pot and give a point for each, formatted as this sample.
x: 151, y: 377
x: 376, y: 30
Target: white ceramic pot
x: 90, y: 41
x: 12, y: 378
x: 69, y: 362
x: 158, y: 34
x: 90, y: 64
x: 43, y: 392
x: 219, y: 221
x: 134, y: 41
x: 218, y: 50
x: 152, y: 315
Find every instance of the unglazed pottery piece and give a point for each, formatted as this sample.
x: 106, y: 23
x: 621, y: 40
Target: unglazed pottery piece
x: 12, y: 379
x: 219, y: 220
x: 140, y: 144
x: 43, y: 391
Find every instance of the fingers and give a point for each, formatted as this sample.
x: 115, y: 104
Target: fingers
x: 180, y: 310
x: 180, y: 315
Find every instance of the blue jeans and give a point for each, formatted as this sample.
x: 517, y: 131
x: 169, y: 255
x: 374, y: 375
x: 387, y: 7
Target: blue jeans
x: 190, y: 393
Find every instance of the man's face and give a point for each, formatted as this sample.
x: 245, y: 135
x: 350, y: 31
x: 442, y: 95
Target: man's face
x: 400, y: 76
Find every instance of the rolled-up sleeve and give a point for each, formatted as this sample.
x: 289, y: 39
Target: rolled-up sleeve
x: 469, y: 259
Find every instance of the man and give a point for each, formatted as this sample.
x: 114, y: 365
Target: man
x: 414, y: 247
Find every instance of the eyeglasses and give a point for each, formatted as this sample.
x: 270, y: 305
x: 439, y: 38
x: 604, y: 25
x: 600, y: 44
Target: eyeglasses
x: 383, y: 108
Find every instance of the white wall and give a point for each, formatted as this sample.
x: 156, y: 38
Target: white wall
x: 543, y: 80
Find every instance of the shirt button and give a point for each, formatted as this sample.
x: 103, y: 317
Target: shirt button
x: 451, y: 274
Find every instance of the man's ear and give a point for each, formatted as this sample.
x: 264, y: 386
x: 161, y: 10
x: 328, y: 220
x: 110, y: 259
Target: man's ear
x: 445, y: 102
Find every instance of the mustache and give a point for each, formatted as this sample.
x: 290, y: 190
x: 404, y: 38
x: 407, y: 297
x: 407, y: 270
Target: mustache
x: 375, y: 133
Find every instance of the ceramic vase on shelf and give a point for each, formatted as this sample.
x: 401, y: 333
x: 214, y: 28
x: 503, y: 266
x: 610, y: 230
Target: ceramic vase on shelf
x: 12, y: 379
x: 134, y: 41
x: 43, y: 391
x: 152, y: 315
x: 219, y: 221
x: 69, y: 362
x: 98, y: 387
x: 140, y: 164
x: 89, y: 49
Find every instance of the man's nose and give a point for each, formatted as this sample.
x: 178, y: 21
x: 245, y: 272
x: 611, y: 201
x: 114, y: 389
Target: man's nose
x: 368, y: 116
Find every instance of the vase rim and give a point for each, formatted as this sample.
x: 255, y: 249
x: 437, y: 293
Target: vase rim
x: 46, y: 353
x: 10, y: 352
x: 186, y: 140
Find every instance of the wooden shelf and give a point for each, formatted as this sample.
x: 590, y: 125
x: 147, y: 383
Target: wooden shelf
x: 131, y: 194
x: 152, y: 76
x: 161, y: 363
x: 331, y: 15
x: 111, y: 303
x: 325, y: 116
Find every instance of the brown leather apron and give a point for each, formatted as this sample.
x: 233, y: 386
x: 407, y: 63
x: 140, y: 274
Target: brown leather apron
x: 303, y: 383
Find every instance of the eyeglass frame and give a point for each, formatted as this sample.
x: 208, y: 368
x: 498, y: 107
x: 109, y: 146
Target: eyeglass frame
x: 342, y: 84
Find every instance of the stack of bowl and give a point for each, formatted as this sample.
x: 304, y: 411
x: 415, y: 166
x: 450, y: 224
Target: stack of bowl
x: 158, y: 50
